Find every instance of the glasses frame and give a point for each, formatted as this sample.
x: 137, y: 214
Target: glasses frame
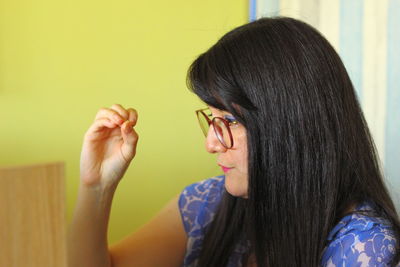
x: 201, y: 112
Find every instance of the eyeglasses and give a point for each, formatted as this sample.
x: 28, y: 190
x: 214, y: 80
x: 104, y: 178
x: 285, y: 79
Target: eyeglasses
x: 221, y: 127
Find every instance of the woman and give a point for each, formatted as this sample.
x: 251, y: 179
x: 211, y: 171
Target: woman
x: 302, y: 184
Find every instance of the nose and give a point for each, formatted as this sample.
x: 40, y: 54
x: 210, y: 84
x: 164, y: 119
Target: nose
x: 213, y: 145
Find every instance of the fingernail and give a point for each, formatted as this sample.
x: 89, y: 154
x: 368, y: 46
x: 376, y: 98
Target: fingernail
x: 128, y: 127
x: 117, y: 118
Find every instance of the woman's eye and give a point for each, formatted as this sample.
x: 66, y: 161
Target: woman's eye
x: 231, y: 120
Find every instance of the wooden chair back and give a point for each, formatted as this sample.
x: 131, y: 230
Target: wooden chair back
x: 32, y: 216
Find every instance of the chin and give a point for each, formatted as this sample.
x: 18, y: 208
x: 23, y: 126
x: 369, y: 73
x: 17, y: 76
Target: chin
x: 234, y: 188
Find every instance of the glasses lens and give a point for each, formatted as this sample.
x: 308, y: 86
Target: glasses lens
x: 223, y: 133
x: 203, y: 122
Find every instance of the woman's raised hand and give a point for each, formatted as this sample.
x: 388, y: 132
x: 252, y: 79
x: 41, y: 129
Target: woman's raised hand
x: 109, y: 146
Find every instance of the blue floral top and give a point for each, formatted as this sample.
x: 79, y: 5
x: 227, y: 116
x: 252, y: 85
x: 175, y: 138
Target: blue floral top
x: 357, y: 240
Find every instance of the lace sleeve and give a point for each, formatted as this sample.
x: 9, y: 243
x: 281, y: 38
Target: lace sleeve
x: 197, y: 203
x: 373, y: 246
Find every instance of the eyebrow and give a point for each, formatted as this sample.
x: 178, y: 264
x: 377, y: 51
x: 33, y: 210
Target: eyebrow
x: 230, y: 115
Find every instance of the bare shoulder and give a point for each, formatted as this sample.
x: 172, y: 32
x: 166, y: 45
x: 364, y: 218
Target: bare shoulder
x: 160, y: 242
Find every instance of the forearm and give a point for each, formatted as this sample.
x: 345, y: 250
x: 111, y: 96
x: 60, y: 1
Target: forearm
x: 87, y: 234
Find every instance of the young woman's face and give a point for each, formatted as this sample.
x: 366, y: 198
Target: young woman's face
x: 233, y: 161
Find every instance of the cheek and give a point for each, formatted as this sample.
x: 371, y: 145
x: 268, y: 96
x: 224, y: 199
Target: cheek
x: 243, y: 163
x: 243, y: 159
x: 241, y: 151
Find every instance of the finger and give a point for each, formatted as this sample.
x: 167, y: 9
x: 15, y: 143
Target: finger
x: 110, y: 114
x: 130, y: 138
x: 101, y: 124
x: 133, y: 115
x: 121, y: 110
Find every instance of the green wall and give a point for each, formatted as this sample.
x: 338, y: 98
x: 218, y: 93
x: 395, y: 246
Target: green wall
x: 60, y: 61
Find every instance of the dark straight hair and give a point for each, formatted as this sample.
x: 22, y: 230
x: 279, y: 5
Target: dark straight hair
x: 310, y: 153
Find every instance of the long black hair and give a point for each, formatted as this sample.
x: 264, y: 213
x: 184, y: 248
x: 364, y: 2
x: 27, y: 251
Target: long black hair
x: 310, y: 153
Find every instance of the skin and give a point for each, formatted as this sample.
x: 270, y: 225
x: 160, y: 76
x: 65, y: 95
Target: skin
x: 236, y: 179
x: 109, y: 147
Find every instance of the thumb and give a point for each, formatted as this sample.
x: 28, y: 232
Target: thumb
x: 130, y: 138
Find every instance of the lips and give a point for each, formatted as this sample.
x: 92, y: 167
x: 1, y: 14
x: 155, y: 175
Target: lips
x: 224, y: 168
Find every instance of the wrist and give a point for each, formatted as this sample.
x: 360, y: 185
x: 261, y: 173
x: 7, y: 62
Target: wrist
x: 101, y: 191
